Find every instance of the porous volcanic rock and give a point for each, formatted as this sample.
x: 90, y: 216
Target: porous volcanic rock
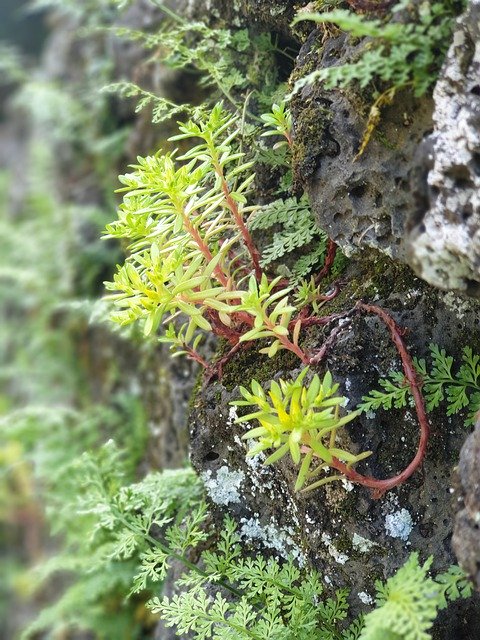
x: 352, y: 538
x: 360, y: 202
x: 444, y: 239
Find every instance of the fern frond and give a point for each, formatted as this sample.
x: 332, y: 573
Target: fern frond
x: 397, y: 53
x: 460, y: 389
x: 407, y: 604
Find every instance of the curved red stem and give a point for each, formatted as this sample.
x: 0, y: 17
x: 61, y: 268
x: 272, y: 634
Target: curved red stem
x: 380, y: 486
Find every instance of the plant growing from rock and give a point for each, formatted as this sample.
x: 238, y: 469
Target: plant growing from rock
x: 194, y: 266
x: 232, y: 63
x: 295, y: 229
x: 461, y: 389
x: 399, y: 53
x: 192, y: 254
x: 301, y: 420
x: 290, y: 422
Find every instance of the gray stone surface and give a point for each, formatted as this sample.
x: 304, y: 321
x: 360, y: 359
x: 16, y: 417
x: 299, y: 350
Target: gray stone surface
x: 360, y: 203
x: 444, y: 241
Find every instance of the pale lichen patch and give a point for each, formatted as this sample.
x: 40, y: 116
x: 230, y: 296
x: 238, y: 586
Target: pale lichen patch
x: 399, y: 524
x: 224, y: 488
x: 339, y: 557
x: 361, y: 544
x: 272, y: 538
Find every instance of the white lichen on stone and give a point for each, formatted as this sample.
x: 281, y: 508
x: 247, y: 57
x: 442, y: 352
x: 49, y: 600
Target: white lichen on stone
x: 456, y: 304
x: 361, y: 544
x: 347, y: 485
x: 272, y: 538
x: 224, y: 488
x: 232, y: 415
x: 365, y: 597
x: 339, y: 557
x: 399, y: 524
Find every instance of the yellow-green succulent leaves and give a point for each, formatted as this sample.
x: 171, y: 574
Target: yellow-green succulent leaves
x: 178, y: 222
x: 298, y: 419
x: 271, y: 312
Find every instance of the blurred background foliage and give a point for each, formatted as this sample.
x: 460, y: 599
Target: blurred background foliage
x: 68, y: 384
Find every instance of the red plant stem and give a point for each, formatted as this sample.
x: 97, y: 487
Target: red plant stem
x: 237, y: 216
x: 324, y: 320
x: 380, y: 486
x: 329, y: 259
x: 288, y: 344
x: 194, y: 355
x: 221, y: 329
x: 202, y: 245
x: 318, y: 357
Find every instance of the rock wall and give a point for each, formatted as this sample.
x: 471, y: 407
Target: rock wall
x: 444, y: 235
x: 352, y: 538
x: 390, y: 210
x: 413, y: 194
x: 411, y: 199
x: 466, y: 536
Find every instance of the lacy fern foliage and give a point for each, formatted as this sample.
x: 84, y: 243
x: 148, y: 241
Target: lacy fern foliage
x: 408, y: 603
x: 231, y: 62
x: 460, y: 389
x: 109, y: 549
x: 271, y: 599
x: 296, y: 229
x: 398, y: 53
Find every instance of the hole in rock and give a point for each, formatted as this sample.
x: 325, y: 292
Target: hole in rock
x: 358, y: 191
x: 211, y: 456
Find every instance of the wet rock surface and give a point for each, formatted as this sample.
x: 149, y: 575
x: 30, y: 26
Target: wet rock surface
x: 466, y: 536
x: 444, y: 241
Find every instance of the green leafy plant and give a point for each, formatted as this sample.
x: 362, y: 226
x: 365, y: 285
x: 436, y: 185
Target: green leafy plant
x: 408, y: 603
x: 273, y: 599
x: 279, y: 123
x: 191, y: 250
x: 460, y: 389
x: 297, y: 229
x: 399, y: 53
x: 232, y: 62
x: 108, y: 550
x: 297, y: 238
x: 300, y: 420
x: 275, y: 419
x: 405, y: 50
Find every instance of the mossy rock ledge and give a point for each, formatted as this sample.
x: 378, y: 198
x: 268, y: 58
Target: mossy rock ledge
x: 351, y: 537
